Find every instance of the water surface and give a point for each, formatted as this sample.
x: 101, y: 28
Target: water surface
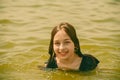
x: 25, y: 27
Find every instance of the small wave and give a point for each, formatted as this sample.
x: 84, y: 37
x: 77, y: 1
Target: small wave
x: 8, y: 45
x: 2, y: 7
x: 6, y: 21
x: 33, y: 6
x: 105, y: 20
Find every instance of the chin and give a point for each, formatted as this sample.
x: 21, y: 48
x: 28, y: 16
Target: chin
x: 63, y: 58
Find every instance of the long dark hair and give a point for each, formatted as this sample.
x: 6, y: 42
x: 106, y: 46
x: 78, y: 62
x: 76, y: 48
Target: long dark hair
x: 69, y: 29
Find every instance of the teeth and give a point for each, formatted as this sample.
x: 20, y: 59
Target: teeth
x: 65, y: 51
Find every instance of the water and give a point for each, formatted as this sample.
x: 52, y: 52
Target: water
x: 25, y: 27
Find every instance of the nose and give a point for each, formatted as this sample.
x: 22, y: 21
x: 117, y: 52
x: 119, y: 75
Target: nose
x: 61, y: 47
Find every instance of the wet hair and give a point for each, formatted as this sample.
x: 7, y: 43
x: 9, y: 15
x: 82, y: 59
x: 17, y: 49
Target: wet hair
x: 70, y: 30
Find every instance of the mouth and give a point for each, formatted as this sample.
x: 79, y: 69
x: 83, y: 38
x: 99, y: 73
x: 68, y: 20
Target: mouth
x: 63, y: 54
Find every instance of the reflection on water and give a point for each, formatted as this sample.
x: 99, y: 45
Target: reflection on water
x: 25, y: 28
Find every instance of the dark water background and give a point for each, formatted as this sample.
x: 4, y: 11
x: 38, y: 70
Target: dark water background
x: 25, y: 27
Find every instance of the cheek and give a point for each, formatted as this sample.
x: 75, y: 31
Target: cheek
x: 55, y: 48
x: 72, y: 49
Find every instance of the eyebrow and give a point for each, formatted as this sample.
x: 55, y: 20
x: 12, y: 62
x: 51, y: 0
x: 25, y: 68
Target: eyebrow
x: 64, y: 40
x: 67, y: 39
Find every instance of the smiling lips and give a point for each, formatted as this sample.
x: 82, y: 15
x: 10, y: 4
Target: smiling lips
x: 63, y: 53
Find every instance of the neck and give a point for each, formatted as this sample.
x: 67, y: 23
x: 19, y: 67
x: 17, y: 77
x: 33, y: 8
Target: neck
x: 72, y: 63
x: 67, y: 61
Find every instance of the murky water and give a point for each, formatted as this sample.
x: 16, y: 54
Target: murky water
x: 25, y: 27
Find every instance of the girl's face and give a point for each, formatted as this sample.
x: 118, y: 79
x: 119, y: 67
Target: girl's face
x: 63, y: 45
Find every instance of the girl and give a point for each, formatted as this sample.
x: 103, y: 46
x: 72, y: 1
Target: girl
x: 65, y: 53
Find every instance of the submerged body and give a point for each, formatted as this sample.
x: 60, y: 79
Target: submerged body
x: 88, y: 63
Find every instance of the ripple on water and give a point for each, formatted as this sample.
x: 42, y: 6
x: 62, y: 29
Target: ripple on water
x: 7, y: 45
x: 6, y: 21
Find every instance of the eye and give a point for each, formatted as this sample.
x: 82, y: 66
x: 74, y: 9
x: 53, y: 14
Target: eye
x: 56, y: 43
x: 67, y: 42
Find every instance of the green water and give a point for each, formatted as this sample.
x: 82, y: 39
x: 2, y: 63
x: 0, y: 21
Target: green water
x: 25, y: 27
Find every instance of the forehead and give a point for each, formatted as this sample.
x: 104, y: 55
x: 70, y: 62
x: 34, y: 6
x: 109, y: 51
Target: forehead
x: 60, y: 35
